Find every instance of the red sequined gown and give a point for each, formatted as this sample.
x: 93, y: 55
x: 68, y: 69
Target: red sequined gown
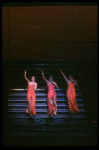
x: 71, y: 95
x: 51, y: 93
x: 31, y: 95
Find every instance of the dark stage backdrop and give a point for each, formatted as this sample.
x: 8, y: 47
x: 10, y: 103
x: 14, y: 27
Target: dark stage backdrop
x: 49, y: 32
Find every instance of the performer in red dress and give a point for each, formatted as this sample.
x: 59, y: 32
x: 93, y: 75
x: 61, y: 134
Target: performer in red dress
x: 71, y: 94
x: 31, y: 97
x: 52, y: 104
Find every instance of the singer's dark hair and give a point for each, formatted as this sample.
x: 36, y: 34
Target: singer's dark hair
x: 50, y: 75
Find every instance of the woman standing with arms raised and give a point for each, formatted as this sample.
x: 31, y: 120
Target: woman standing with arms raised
x: 71, y: 94
x: 52, y: 104
x: 31, y: 97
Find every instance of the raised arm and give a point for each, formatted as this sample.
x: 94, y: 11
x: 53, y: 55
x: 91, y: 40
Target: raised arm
x: 44, y: 77
x: 64, y: 76
x: 26, y: 77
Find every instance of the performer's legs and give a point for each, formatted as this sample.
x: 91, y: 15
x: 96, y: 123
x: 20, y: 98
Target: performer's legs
x: 55, y: 110
x: 70, y: 110
x: 49, y: 107
x: 70, y: 106
x: 75, y: 107
x: 33, y: 105
x: 28, y: 100
x: 30, y: 109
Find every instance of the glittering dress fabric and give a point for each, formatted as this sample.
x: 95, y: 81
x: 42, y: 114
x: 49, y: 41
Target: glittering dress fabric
x: 31, y: 96
x: 51, y: 98
x: 71, y: 95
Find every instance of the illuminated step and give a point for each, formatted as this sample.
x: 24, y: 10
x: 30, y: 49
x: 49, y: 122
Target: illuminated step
x: 39, y: 94
x: 39, y: 99
x: 41, y: 110
x: 60, y: 89
x: 25, y: 105
x: 42, y: 116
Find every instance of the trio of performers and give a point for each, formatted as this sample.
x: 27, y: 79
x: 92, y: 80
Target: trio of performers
x: 52, y: 103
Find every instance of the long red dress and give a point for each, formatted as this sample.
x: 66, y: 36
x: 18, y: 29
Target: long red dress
x: 71, y: 95
x: 31, y: 95
x: 51, y: 95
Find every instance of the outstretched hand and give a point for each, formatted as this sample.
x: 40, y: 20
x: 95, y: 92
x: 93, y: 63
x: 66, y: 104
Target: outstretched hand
x: 25, y: 71
x: 60, y: 70
x: 41, y: 71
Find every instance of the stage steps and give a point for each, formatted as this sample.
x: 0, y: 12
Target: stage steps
x: 17, y: 102
x: 20, y: 124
